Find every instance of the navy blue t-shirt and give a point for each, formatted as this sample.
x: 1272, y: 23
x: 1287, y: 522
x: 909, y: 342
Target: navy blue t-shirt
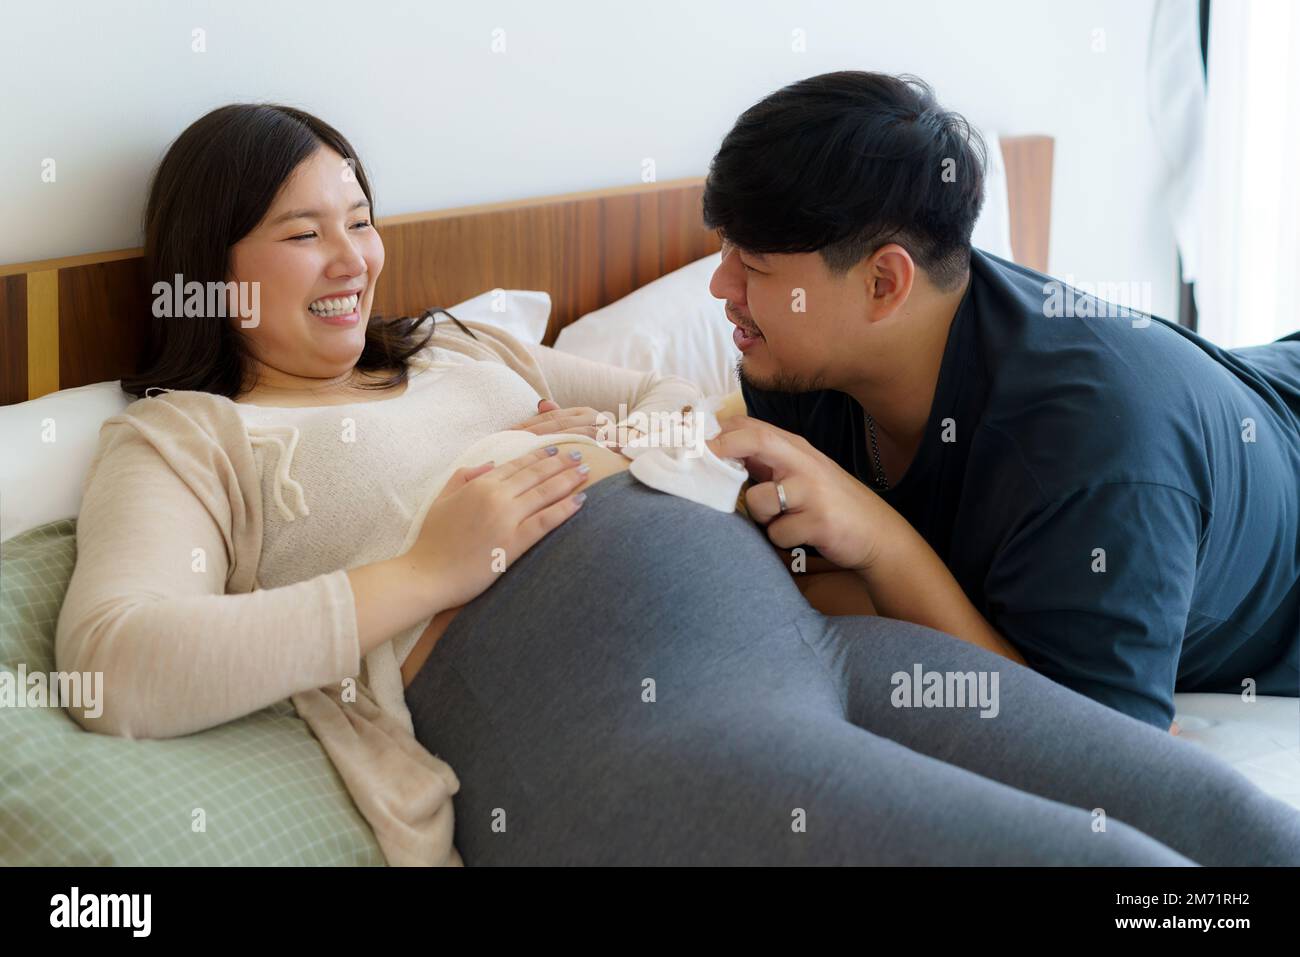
x: 1117, y: 496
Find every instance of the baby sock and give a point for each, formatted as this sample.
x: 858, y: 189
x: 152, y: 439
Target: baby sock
x: 683, y: 465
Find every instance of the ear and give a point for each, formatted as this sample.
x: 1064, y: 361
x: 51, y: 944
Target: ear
x: 890, y: 273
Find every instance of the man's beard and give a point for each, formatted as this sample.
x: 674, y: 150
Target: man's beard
x: 780, y: 382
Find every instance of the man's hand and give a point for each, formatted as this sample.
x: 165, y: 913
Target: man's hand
x: 853, y: 527
x: 827, y: 507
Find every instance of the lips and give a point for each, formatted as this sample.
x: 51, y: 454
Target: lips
x: 743, y: 341
x: 334, y: 301
x: 747, y: 329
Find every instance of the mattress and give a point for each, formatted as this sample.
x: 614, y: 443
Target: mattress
x: 1259, y: 738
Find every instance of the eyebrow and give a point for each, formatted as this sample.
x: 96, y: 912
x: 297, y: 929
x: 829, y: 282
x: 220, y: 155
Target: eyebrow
x: 311, y: 213
x: 740, y: 249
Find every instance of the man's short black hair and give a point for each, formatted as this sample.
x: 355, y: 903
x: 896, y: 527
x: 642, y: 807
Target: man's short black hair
x: 845, y: 162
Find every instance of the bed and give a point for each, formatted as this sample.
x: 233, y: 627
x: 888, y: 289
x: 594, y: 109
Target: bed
x: 618, y: 275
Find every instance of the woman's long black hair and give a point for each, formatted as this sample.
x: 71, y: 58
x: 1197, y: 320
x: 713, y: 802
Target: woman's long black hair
x: 212, y: 188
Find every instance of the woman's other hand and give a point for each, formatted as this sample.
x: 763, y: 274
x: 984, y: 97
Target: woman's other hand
x: 487, y: 516
x: 577, y: 420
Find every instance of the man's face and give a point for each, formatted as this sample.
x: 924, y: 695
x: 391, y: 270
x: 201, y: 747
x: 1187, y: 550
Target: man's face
x: 798, y: 326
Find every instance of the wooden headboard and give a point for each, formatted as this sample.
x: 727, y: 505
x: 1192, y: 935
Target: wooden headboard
x: 82, y: 319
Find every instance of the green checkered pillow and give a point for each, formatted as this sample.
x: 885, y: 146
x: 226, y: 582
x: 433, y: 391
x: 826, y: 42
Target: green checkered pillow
x: 255, y: 791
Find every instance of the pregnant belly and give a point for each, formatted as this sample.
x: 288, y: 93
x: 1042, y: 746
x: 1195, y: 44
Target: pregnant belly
x: 603, y: 462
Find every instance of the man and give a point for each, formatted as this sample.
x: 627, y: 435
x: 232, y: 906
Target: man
x: 998, y: 457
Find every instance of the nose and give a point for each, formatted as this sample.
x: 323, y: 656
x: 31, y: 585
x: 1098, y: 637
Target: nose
x: 728, y: 280
x: 347, y: 260
x: 347, y: 263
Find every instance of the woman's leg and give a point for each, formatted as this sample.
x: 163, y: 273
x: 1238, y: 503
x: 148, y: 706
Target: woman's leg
x: 1048, y: 740
x: 720, y: 779
x: 635, y: 690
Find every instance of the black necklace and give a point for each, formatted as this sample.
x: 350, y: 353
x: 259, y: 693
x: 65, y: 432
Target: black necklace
x: 881, y: 480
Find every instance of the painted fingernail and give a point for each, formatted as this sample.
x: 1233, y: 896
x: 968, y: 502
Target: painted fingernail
x: 575, y: 455
x: 552, y: 449
x: 583, y: 468
x: 579, y: 498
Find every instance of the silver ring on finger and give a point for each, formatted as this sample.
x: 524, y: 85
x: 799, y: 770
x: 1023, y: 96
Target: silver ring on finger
x: 780, y: 497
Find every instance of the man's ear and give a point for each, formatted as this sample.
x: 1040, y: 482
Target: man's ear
x: 889, y: 275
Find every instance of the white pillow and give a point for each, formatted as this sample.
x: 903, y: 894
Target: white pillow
x: 49, y: 442
x: 48, y: 445
x: 671, y: 325
x: 523, y: 313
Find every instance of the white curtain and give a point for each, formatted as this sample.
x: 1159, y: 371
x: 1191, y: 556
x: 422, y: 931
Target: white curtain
x: 1247, y: 266
x: 1176, y: 109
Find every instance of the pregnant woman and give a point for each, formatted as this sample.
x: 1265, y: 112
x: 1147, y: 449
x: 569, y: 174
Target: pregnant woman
x: 633, y: 678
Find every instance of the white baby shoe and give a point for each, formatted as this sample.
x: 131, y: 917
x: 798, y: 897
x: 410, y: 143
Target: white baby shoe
x: 680, y: 463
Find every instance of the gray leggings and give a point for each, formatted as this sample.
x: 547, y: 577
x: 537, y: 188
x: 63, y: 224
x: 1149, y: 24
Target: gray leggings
x: 648, y: 686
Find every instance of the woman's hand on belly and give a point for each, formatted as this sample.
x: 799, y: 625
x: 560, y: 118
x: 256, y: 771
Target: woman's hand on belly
x: 602, y: 463
x: 485, y: 517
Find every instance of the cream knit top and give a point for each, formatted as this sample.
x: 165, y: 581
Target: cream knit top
x: 373, y: 467
x: 214, y: 538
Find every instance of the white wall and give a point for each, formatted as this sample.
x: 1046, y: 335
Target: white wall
x: 583, y: 92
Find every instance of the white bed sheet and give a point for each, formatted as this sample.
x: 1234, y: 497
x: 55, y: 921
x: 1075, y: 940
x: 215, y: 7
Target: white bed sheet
x: 1259, y: 738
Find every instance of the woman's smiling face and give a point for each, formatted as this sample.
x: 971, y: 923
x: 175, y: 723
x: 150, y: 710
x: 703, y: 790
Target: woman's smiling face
x: 315, y: 242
